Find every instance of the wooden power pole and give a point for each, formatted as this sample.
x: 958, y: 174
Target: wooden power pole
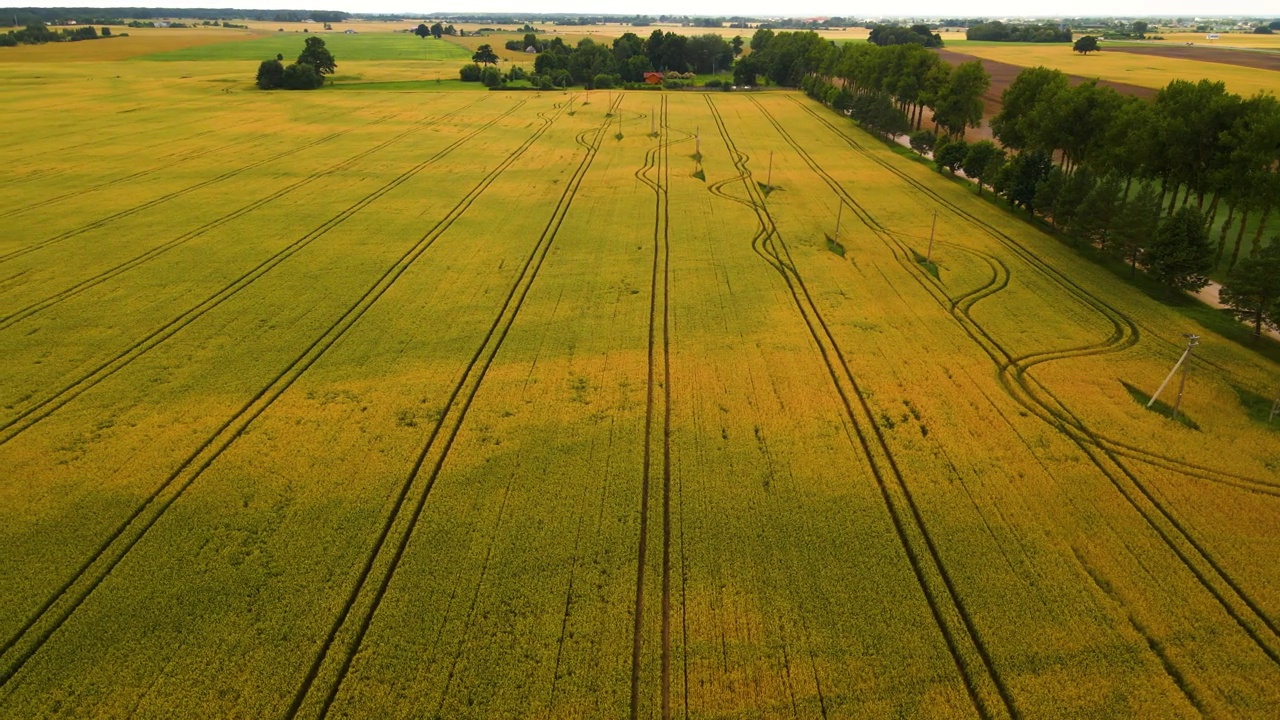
x: 1192, y: 341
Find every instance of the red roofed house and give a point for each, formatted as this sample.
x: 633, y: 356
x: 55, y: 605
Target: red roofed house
x: 653, y: 78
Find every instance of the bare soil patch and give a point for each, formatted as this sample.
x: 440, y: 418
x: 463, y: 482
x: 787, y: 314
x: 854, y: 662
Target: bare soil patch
x: 1243, y: 58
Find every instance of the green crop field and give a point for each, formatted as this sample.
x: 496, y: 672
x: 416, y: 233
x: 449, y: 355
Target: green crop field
x: 568, y: 405
x: 361, y: 46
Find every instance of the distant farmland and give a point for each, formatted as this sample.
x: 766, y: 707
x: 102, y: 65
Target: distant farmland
x: 518, y: 404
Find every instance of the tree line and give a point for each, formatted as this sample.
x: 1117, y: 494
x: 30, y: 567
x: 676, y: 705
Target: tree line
x: 1142, y: 180
x: 887, y: 89
x: 996, y: 31
x: 39, y: 34
x: 1194, y: 143
x: 903, y: 35
x: 623, y: 61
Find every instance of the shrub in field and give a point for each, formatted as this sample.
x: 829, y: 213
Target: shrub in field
x: 305, y: 74
x: 490, y: 77
x: 270, y: 75
x: 301, y: 76
x: 469, y: 73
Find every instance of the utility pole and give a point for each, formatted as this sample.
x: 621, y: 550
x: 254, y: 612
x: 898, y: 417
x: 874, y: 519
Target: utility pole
x: 928, y: 256
x: 697, y: 141
x: 1192, y: 341
x: 769, y: 180
x: 653, y: 113
x: 839, y: 214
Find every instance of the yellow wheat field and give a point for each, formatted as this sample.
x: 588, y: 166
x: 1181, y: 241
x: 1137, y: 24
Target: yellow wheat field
x: 516, y: 404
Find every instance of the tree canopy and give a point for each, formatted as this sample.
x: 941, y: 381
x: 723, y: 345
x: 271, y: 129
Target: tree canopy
x: 307, y: 73
x: 317, y: 56
x: 1253, y: 289
x: 1086, y: 45
x: 485, y: 55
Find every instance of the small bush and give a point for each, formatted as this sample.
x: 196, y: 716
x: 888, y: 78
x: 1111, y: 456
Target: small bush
x: 301, y: 76
x: 469, y: 73
x: 490, y: 77
x: 270, y: 75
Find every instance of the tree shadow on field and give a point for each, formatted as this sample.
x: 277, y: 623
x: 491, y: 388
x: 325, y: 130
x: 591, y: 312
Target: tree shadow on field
x: 1257, y: 407
x: 1160, y: 407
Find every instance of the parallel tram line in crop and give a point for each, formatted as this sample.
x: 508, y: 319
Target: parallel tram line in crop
x: 101, y: 222
x: 315, y: 696
x: 980, y: 683
x: 129, y: 122
x: 1012, y: 374
x: 1049, y: 272
x: 55, y: 611
x: 173, y: 160
x: 658, y: 161
x: 180, y: 156
x: 42, y: 409
x: 46, y: 303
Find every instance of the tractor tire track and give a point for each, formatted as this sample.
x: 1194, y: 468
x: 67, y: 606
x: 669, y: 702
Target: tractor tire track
x: 176, y: 159
x: 39, y: 245
x: 983, y: 683
x: 316, y: 694
x: 34, y: 414
x: 1190, y: 469
x: 657, y: 163
x: 44, y: 304
x: 1262, y: 629
x: 60, y: 606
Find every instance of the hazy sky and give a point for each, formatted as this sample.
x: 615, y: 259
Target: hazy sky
x: 804, y: 8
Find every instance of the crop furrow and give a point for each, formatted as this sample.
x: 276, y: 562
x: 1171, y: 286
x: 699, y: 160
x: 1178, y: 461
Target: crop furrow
x: 316, y: 695
x: 42, y: 409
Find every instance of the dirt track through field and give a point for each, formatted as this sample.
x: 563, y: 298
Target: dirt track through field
x: 1242, y: 58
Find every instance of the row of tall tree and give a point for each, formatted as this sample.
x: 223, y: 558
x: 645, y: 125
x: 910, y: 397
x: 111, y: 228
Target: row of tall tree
x: 1193, y: 144
x: 1142, y: 180
x: 899, y: 87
